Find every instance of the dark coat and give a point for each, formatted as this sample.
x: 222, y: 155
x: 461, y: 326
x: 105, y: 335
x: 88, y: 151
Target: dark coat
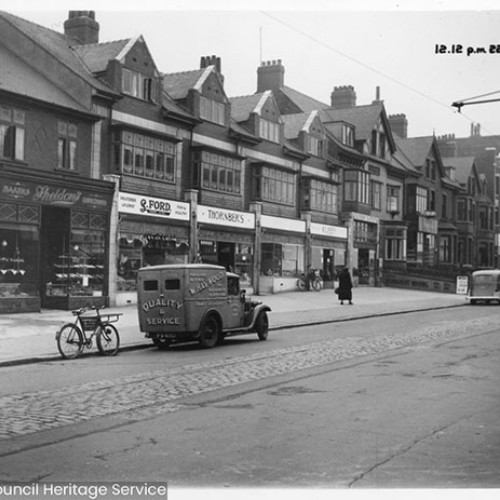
x: 345, y: 285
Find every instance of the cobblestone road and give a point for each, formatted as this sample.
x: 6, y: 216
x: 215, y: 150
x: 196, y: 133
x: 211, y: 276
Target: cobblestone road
x: 157, y: 392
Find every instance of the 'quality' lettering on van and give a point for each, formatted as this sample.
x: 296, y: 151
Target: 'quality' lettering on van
x: 152, y: 304
x: 207, y: 283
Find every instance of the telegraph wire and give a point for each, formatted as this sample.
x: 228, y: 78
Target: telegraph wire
x: 366, y: 66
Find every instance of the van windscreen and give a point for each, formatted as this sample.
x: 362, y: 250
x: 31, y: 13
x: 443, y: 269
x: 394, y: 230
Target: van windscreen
x: 150, y: 285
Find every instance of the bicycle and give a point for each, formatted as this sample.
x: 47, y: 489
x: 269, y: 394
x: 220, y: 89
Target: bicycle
x: 315, y: 282
x: 72, y: 337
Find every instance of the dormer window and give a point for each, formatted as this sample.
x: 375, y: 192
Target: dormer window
x: 315, y: 146
x: 137, y: 85
x: 347, y: 135
x: 269, y: 130
x: 212, y: 111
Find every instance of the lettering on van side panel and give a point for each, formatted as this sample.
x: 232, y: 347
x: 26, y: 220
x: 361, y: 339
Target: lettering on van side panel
x: 203, y: 284
x: 153, y: 303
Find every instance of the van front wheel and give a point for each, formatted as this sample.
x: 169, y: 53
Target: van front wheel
x: 209, y: 333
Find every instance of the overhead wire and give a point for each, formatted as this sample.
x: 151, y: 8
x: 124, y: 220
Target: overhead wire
x: 366, y: 66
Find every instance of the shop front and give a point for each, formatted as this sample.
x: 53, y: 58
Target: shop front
x: 282, y: 254
x: 226, y: 238
x: 53, y: 241
x: 151, y: 231
x: 328, y: 251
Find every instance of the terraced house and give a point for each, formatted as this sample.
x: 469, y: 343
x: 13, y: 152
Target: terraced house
x: 109, y: 163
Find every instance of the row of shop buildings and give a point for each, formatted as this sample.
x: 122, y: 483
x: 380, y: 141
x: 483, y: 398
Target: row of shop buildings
x: 108, y: 164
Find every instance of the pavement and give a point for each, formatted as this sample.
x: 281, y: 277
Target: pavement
x: 30, y: 337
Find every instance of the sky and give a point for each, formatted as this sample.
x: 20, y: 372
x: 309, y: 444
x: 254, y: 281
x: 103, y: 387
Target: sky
x: 323, y: 44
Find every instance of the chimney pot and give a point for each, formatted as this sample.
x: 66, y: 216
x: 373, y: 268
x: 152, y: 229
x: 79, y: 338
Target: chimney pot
x: 343, y: 97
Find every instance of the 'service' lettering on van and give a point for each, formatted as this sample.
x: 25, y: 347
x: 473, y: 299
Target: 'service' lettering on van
x: 206, y: 283
x: 152, y: 304
x: 172, y: 321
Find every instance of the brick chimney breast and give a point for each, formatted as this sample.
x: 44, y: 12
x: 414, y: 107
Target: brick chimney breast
x: 82, y: 26
x: 270, y: 76
x: 343, y: 97
x: 399, y: 125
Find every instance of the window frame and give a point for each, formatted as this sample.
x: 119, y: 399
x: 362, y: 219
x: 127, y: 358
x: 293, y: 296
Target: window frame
x: 13, y: 137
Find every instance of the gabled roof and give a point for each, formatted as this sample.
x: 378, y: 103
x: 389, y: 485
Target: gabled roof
x: 60, y: 46
x: 302, y: 101
x: 243, y: 106
x: 364, y: 118
x: 97, y: 55
x: 20, y: 78
x: 464, y: 167
x: 178, y: 85
x: 416, y: 149
x: 296, y: 123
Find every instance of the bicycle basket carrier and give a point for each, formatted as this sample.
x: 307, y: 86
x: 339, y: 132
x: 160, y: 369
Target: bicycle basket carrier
x: 89, y: 323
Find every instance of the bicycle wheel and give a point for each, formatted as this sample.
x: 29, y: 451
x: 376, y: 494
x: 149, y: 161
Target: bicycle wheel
x: 108, y: 340
x: 69, y: 341
x: 317, y: 285
x: 301, y: 285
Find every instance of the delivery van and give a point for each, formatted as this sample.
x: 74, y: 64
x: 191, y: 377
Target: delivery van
x: 196, y: 302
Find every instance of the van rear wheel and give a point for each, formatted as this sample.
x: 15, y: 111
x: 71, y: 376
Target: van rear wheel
x: 209, y: 333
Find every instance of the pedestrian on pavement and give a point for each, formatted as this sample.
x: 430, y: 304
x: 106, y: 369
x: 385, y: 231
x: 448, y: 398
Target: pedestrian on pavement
x: 345, y: 286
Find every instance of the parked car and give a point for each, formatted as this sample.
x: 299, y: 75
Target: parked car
x: 484, y: 286
x: 196, y: 302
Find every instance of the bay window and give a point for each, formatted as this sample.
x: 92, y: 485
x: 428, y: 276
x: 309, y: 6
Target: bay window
x: 357, y: 186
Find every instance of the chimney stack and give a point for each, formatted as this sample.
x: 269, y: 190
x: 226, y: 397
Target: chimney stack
x: 82, y: 26
x: 270, y: 76
x: 343, y: 97
x: 206, y: 61
x: 399, y: 125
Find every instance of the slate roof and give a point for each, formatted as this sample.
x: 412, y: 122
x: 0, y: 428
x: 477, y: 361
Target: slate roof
x: 303, y: 101
x: 59, y: 45
x: 243, y: 106
x: 97, y: 55
x: 20, y: 78
x: 177, y: 85
x: 294, y: 124
x: 363, y: 118
x: 463, y: 167
x: 416, y: 149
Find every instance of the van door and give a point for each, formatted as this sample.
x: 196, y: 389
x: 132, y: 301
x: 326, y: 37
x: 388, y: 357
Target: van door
x: 234, y: 308
x: 161, y: 307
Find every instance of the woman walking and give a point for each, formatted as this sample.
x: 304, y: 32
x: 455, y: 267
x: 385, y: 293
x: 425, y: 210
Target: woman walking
x: 345, y: 286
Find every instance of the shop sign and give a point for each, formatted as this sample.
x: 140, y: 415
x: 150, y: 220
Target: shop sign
x: 46, y: 194
x: 330, y: 231
x: 223, y: 217
x: 283, y: 224
x: 154, y: 207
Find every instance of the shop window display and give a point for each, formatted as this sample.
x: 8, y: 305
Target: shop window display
x: 78, y: 265
x: 18, y: 263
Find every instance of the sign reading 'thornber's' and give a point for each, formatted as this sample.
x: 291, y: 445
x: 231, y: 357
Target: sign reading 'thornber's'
x: 145, y: 205
x: 223, y: 217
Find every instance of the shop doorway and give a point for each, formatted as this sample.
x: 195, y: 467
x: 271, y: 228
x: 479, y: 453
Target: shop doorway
x: 328, y: 267
x: 225, y: 255
x: 55, y: 264
x: 364, y: 266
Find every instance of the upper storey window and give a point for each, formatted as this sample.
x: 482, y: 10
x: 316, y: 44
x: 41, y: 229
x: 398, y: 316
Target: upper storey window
x: 212, y: 111
x: 269, y: 130
x: 315, y: 146
x: 66, y: 145
x: 137, y: 85
x: 347, y: 135
x: 11, y: 133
